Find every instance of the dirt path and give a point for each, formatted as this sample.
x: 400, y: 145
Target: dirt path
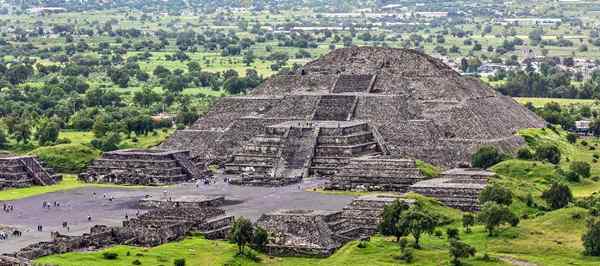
x: 516, y: 262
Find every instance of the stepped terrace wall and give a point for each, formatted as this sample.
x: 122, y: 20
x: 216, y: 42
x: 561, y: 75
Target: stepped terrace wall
x: 24, y: 171
x: 373, y: 174
x: 145, y: 167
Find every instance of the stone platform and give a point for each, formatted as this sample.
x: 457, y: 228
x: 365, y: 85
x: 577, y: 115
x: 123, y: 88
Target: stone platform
x: 376, y: 174
x: 456, y: 188
x: 188, y: 201
x: 143, y: 167
x: 24, y: 171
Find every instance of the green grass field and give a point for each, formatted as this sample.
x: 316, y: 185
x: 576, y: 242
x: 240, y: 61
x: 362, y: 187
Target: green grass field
x: 540, y: 102
x: 69, y: 182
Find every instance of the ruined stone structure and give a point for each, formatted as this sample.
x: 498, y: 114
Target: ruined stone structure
x: 153, y: 228
x: 183, y: 201
x: 457, y: 188
x: 376, y: 174
x: 24, y: 171
x: 357, y: 102
x: 321, y: 232
x: 143, y: 167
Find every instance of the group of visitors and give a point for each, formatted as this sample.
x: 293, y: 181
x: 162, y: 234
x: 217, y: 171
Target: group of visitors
x: 8, y: 207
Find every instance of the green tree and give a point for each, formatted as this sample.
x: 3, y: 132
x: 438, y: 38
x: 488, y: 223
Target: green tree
x: 493, y: 215
x: 571, y: 138
x: 249, y: 58
x: 558, y: 195
x: 485, y: 157
x: 468, y: 220
x: 100, y: 126
x: 242, y: 233
x: 581, y: 168
x: 391, y: 215
x: 47, y: 132
x: 496, y: 193
x: 548, y: 152
x: 459, y: 250
x: 22, y: 132
x: 145, y: 97
x: 417, y: 221
x: 260, y: 239
x: 591, y: 238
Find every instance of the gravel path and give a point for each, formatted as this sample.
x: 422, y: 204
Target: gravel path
x: 76, y: 205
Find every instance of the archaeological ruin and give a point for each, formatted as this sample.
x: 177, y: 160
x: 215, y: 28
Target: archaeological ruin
x: 155, y: 227
x: 319, y: 233
x: 351, y: 112
x: 143, y: 167
x: 24, y: 171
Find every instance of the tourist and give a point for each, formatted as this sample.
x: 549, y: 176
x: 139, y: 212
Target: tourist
x: 89, y: 218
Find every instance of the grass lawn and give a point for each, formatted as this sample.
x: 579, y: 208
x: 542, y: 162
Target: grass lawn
x: 69, y: 182
x: 540, y: 102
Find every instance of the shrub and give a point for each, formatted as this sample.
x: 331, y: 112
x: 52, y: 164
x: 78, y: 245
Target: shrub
x: 241, y: 233
x: 591, y: 238
x: 110, y: 255
x: 460, y: 250
x: 584, y: 143
x: 524, y: 154
x: 136, y: 262
x: 452, y: 233
x: 179, y: 262
x: 571, y: 138
x: 261, y: 237
x: 362, y: 244
x: 572, y: 176
x: 407, y: 255
x: 548, y: 153
x: 485, y: 157
x: 67, y: 158
x: 581, y: 168
x: 496, y: 193
x: 558, y: 196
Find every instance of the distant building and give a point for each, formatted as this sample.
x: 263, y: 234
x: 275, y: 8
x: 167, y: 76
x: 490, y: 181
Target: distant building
x: 583, y: 126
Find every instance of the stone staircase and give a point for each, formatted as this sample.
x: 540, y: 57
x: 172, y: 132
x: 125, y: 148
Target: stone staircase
x: 217, y: 227
x: 142, y: 167
x: 335, y: 108
x: 336, y: 146
x: 353, y: 83
x: 374, y: 174
x: 24, y: 171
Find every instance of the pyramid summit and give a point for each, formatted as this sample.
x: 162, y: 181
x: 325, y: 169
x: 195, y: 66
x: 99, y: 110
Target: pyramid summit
x: 355, y: 103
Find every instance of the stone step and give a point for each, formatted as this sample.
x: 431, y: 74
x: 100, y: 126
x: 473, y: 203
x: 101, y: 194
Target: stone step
x: 14, y: 176
x: 145, y: 170
x: 354, y: 138
x: 137, y: 163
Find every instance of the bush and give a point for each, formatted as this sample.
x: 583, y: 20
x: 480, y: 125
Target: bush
x: 571, y: 138
x: 485, y: 157
x: 548, y: 153
x: 179, y: 262
x: 110, y: 255
x: 261, y: 237
x: 407, y: 255
x: 591, y: 238
x: 362, y: 244
x: 558, y: 196
x: 460, y: 250
x: 136, y: 262
x: 572, y: 176
x: 67, y: 158
x: 581, y: 168
x: 497, y: 194
x: 452, y: 233
x: 524, y: 154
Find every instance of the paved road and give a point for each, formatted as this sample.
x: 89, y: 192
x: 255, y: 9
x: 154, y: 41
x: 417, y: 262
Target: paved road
x: 76, y: 205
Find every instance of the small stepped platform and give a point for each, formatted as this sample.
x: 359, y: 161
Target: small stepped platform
x: 456, y: 188
x: 189, y: 201
x: 374, y: 174
x: 364, y: 213
x: 24, y: 171
x: 143, y: 167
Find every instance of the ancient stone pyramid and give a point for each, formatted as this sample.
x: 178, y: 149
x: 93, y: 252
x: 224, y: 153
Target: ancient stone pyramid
x: 356, y: 102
